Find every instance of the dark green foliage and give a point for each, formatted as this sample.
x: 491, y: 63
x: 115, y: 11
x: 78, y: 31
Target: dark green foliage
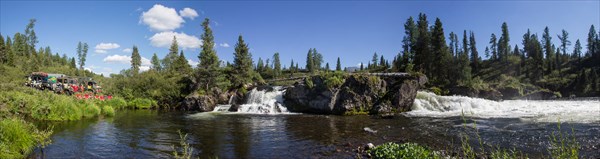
x: 441, y: 54
x: 276, y: 65
x: 156, y: 63
x: 494, y: 46
x: 548, y: 49
x: 171, y: 56
x: 209, y: 75
x: 242, y: 64
x: 422, y: 47
x: 181, y: 65
x: 82, y: 49
x: 310, y: 61
x: 503, y: 43
x: 338, y: 66
x: 136, y: 61
x: 474, y: 53
x: 392, y: 150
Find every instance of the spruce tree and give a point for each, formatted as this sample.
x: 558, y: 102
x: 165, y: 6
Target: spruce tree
x: 242, y: 64
x: 408, y: 43
x: 317, y: 59
x: 209, y: 74
x: 276, y: 65
x: 441, y: 55
x: 30, y: 37
x: 547, y: 42
x: 260, y: 66
x: 422, y: 47
x: 503, y: 46
x: 577, y: 50
x: 474, y: 53
x: 487, y: 52
x: 3, y: 54
x: 591, y: 40
x: 494, y: 46
x: 327, y: 67
x: 181, y: 65
x: 136, y: 61
x: 373, y: 64
x: 338, y: 66
x: 156, y: 63
x: 309, y: 61
x: 82, y: 49
x: 382, y: 63
x: 171, y: 56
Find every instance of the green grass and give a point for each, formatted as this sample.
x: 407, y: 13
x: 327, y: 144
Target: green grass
x: 18, y: 138
x: 186, y: 150
x: 141, y: 103
x: 392, y: 150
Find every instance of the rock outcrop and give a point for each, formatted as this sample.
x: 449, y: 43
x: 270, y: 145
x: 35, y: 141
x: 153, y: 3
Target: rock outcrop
x: 359, y: 94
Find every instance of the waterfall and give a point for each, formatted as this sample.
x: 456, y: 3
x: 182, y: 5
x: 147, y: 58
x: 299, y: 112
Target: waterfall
x: 431, y: 105
x: 264, y: 102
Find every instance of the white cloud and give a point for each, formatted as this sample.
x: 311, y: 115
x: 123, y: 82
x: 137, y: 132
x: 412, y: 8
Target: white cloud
x: 164, y: 39
x: 127, y: 50
x: 224, y: 45
x: 161, y: 18
x: 100, y: 51
x: 123, y: 59
x: 188, y: 13
x: 107, y: 46
x: 103, y: 48
x: 118, y: 59
x: 193, y: 63
x: 146, y: 62
x: 144, y: 68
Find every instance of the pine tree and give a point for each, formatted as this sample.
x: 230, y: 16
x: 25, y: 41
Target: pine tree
x: 408, y: 43
x: 277, y: 65
x: 382, y: 63
x: 136, y: 61
x: 494, y: 46
x: 361, y: 66
x: 503, y: 46
x: 474, y: 53
x: 374, y: 60
x: 10, y: 54
x: 181, y: 65
x: 82, y: 49
x: 317, y: 59
x: 564, y: 43
x: 260, y: 66
x: 72, y: 63
x: 3, y: 52
x: 577, y: 50
x: 487, y: 52
x: 156, y: 63
x: 309, y: 61
x: 547, y: 42
x: 591, y: 40
x: 441, y: 55
x: 171, y: 56
x: 338, y: 66
x: 30, y: 37
x: 422, y: 47
x: 327, y: 67
x: 242, y: 64
x: 209, y: 74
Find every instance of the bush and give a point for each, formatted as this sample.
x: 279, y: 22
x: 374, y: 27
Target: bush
x: 91, y: 110
x: 407, y: 150
x: 141, y: 103
x: 108, y: 111
x: 309, y: 82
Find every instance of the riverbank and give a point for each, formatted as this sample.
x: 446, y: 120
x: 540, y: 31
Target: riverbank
x: 20, y: 106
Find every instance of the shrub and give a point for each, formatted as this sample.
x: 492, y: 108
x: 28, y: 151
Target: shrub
x: 406, y: 150
x: 91, y: 110
x: 108, y: 111
x: 141, y: 103
x: 309, y: 82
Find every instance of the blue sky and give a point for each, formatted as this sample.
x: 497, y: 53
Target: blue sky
x: 351, y: 30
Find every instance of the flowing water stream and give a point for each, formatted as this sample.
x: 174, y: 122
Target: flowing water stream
x: 263, y: 128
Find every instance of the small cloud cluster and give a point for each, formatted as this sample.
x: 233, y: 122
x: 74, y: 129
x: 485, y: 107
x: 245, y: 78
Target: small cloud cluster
x: 164, y: 21
x: 164, y: 39
x: 123, y: 59
x: 103, y: 48
x: 225, y: 45
x: 127, y: 50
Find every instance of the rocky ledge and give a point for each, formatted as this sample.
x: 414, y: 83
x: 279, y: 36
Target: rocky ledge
x: 382, y: 94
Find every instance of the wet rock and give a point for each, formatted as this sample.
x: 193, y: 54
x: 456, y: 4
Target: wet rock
x: 369, y: 130
x: 197, y: 102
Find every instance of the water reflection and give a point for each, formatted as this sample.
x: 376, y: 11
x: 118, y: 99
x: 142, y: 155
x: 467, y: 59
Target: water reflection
x: 150, y: 134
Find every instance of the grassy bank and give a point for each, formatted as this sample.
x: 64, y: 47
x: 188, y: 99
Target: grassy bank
x: 19, y: 137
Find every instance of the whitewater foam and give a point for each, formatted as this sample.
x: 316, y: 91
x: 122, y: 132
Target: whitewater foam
x: 431, y: 105
x: 264, y: 102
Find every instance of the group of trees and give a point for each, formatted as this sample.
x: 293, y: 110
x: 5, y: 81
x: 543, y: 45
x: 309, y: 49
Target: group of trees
x: 539, y: 63
x: 18, y: 53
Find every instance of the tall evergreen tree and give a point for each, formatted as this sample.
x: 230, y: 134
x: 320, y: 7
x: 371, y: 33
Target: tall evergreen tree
x: 564, y: 43
x: 382, y: 63
x: 317, y: 59
x: 441, y: 55
x: 591, y: 40
x: 309, y: 61
x: 374, y: 61
x: 577, y: 50
x: 3, y: 54
x: 136, y: 61
x: 72, y: 63
x: 494, y: 46
x: 408, y: 44
x: 276, y: 65
x: 503, y: 46
x: 474, y: 53
x: 260, y: 66
x: 171, y: 56
x: 156, y: 63
x: 327, y: 69
x: 209, y: 74
x: 487, y: 52
x: 82, y: 49
x: 181, y: 65
x: 30, y: 37
x: 338, y: 65
x: 423, y: 46
x: 547, y: 42
x: 242, y: 64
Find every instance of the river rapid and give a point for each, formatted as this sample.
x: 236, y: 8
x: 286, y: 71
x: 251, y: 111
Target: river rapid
x: 263, y: 128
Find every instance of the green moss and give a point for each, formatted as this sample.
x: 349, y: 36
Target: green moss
x: 359, y: 111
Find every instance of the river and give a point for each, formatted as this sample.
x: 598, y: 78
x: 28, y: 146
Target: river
x: 436, y: 121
